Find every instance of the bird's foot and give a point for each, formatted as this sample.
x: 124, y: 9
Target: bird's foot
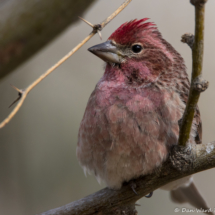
x: 133, y: 186
x: 149, y: 195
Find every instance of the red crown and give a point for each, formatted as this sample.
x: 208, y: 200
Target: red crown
x: 128, y: 31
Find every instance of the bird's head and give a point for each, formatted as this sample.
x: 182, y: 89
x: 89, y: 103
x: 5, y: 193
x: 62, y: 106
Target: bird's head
x: 137, y: 52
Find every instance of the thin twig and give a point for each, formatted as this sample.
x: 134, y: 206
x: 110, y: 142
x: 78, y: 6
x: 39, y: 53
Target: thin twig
x: 87, y: 22
x: 114, y: 14
x: 30, y: 87
x: 25, y: 92
x: 197, y: 54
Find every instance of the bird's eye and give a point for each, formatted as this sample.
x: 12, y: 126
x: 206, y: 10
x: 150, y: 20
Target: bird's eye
x: 137, y: 48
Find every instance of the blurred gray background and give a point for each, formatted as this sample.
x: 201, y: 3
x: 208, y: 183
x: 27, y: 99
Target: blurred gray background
x: 38, y: 165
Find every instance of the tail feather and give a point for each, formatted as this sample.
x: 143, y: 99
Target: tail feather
x: 191, y: 195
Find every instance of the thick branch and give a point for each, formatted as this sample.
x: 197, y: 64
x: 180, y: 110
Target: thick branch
x: 181, y: 162
x: 197, y: 54
x: 28, y: 25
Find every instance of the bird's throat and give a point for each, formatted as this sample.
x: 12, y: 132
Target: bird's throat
x: 133, y: 74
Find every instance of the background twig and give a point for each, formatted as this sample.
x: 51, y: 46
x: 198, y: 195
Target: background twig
x: 30, y: 87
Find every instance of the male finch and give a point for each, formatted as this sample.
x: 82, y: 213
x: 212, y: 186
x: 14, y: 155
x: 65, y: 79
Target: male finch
x: 131, y: 119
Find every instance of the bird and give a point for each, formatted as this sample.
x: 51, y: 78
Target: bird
x: 131, y: 120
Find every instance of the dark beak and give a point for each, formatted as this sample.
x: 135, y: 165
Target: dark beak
x: 107, y: 51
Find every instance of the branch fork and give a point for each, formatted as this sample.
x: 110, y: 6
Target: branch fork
x: 198, y: 2
x: 182, y: 158
x: 96, y: 28
x: 200, y: 85
x: 20, y: 93
x: 188, y: 38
